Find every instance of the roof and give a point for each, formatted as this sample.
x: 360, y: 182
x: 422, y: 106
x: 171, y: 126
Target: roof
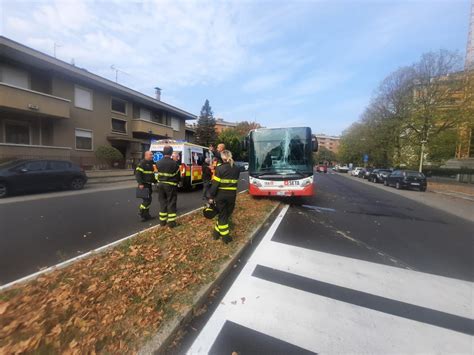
x: 322, y: 135
x: 220, y: 121
x: 24, y: 54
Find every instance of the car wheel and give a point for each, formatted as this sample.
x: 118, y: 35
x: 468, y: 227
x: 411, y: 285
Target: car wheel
x: 77, y: 184
x: 3, y: 190
x: 397, y: 186
x: 422, y: 189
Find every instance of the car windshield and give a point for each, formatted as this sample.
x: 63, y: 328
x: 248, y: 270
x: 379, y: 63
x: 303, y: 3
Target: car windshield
x: 414, y: 174
x: 280, y: 151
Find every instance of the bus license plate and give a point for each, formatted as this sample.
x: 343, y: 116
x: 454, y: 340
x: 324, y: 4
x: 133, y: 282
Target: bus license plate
x: 281, y: 193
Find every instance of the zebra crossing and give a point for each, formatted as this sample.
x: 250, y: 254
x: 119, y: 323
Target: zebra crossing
x: 289, y: 299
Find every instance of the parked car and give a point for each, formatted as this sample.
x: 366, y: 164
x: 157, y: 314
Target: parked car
x: 364, y: 173
x: 321, y: 168
x: 405, y: 179
x: 355, y: 171
x: 39, y: 175
x: 379, y: 175
x: 342, y: 169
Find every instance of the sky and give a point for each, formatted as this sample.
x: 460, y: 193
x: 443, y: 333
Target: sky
x: 280, y: 63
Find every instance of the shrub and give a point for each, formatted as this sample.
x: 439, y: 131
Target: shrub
x: 108, y: 155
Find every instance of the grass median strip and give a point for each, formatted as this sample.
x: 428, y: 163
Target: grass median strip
x: 114, y: 301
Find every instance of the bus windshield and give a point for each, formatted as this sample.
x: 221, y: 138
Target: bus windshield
x: 280, y: 151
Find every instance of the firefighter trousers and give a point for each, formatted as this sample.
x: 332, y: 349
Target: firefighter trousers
x: 146, y: 202
x: 168, y: 197
x: 225, y: 204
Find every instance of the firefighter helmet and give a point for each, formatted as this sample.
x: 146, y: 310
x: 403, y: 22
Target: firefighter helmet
x: 210, y: 211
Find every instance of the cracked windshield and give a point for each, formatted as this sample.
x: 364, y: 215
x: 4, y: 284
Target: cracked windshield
x: 236, y: 177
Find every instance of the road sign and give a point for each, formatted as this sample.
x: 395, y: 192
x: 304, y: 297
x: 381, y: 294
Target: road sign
x: 366, y: 158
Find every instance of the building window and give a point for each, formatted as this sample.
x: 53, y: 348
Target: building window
x: 15, y: 77
x: 17, y: 133
x: 83, y: 139
x: 145, y: 114
x: 83, y: 98
x: 175, y: 124
x: 119, y: 126
x: 119, y: 106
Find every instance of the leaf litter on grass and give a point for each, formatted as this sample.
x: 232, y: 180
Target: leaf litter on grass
x: 113, y: 301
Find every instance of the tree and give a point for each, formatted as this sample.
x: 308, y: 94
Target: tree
x: 243, y: 128
x: 232, y: 140
x: 324, y: 155
x: 433, y: 111
x: 206, y: 126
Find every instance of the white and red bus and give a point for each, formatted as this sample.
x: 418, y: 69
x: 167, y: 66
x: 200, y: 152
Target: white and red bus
x: 190, y: 157
x: 280, y: 161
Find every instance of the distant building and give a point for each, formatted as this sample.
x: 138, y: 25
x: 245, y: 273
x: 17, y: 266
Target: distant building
x: 190, y: 134
x: 329, y: 142
x: 222, y: 125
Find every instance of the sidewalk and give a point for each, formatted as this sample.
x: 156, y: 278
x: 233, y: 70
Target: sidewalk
x: 456, y: 199
x: 458, y: 190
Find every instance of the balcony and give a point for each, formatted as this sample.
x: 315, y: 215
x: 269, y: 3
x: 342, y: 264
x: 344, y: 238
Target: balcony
x: 150, y: 127
x: 34, y: 102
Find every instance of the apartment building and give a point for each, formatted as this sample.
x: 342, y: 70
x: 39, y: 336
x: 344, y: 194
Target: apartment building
x: 222, y: 125
x: 329, y: 142
x: 49, y: 108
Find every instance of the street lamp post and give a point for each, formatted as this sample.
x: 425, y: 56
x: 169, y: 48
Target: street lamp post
x: 423, y: 142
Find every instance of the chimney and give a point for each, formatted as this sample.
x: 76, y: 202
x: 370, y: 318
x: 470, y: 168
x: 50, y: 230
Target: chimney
x: 158, y: 93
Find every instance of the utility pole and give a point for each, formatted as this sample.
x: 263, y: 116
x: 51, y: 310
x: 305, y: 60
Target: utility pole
x: 422, y: 153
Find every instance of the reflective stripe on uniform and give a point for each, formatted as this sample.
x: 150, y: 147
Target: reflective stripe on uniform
x: 218, y: 179
x: 168, y: 174
x: 169, y: 183
x: 144, y: 171
x: 228, y: 188
x: 223, y: 226
x: 143, y: 207
x: 163, y: 216
x: 171, y: 217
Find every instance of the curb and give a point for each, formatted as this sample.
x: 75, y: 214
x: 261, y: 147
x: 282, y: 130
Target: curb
x: 160, y: 341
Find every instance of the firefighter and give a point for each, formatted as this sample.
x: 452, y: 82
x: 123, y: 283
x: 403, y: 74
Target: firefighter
x: 223, y: 192
x: 145, y: 177
x: 168, y: 180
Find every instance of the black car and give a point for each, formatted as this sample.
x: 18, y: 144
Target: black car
x: 405, y: 179
x: 39, y: 175
x: 379, y: 175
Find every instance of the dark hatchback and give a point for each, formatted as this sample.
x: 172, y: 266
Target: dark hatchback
x: 39, y: 175
x: 379, y: 175
x: 406, y: 179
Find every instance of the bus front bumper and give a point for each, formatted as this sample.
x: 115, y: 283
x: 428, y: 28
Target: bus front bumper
x: 305, y: 191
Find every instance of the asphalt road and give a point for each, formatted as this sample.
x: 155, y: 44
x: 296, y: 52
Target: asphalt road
x: 41, y: 230
x: 355, y: 269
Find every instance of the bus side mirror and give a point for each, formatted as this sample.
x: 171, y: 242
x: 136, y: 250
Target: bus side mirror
x: 245, y: 144
x: 314, y: 143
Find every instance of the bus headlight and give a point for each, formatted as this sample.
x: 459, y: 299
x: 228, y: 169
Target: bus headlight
x: 256, y: 182
x: 307, y: 181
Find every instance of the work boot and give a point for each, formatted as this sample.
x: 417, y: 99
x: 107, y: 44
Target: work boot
x: 227, y: 239
x: 172, y: 224
x: 215, y: 235
x: 162, y: 223
x: 146, y: 216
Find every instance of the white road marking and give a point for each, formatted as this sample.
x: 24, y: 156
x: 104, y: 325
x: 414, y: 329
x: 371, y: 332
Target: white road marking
x: 327, y: 325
